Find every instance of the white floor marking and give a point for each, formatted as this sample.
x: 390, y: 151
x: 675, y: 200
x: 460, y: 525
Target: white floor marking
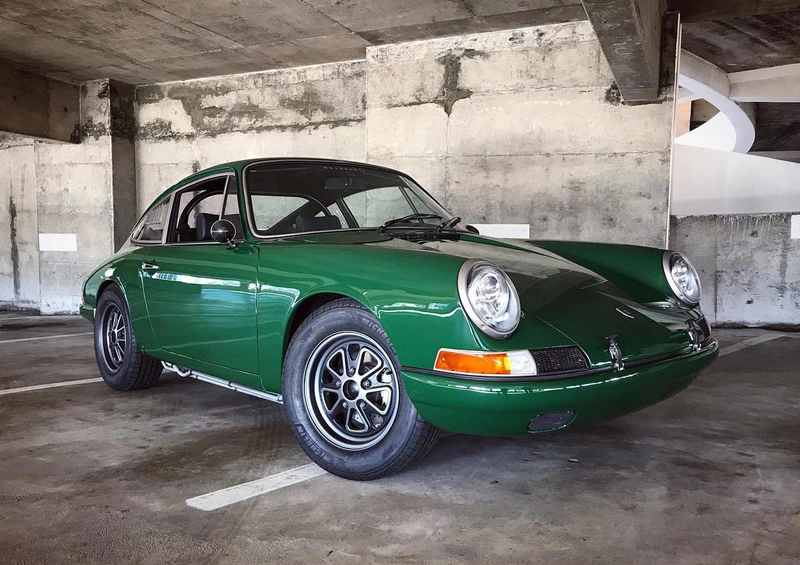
x: 38, y: 317
x: 43, y: 337
x: 49, y: 385
x: 749, y: 343
x: 231, y: 495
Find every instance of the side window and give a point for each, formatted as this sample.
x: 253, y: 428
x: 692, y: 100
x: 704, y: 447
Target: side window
x: 199, y: 206
x: 373, y: 207
x: 151, y: 228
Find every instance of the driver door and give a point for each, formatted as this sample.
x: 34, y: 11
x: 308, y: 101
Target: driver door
x: 200, y: 294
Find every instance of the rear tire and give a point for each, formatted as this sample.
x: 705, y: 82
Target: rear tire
x: 122, y: 364
x: 345, y: 399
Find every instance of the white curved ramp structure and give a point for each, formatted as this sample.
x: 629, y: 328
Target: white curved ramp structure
x: 733, y: 129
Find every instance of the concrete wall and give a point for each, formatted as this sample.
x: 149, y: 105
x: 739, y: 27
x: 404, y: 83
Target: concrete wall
x: 749, y: 266
x: 524, y: 126
x: 732, y: 217
x: 316, y: 111
x: 19, y: 262
x: 508, y: 127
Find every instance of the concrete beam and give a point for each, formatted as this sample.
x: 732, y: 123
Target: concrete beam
x: 37, y: 106
x: 773, y: 84
x: 630, y: 35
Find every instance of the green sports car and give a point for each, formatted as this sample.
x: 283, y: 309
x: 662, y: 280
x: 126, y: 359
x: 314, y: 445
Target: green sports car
x: 347, y: 293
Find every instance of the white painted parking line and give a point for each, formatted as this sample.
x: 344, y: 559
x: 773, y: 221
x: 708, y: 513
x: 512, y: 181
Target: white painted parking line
x: 749, y: 343
x: 238, y: 493
x: 49, y: 385
x: 43, y: 337
x: 38, y: 317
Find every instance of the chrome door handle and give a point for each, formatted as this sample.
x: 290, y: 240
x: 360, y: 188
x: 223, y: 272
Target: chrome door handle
x: 149, y: 267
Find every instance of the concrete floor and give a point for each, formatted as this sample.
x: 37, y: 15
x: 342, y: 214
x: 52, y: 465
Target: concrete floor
x: 89, y: 475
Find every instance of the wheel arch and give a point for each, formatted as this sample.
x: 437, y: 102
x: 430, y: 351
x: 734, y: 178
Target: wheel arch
x: 305, y: 307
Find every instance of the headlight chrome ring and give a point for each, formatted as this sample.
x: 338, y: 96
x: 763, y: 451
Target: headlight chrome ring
x: 513, y: 307
x: 669, y: 259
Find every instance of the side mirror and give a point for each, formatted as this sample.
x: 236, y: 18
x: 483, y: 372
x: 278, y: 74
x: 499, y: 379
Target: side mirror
x: 472, y: 229
x: 223, y: 231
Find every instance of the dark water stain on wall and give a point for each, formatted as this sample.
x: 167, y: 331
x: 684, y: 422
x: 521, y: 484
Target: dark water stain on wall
x: 12, y: 212
x: 613, y: 95
x: 307, y: 103
x: 451, y: 92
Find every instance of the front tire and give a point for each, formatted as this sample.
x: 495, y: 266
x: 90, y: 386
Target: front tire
x: 345, y: 399
x: 122, y: 364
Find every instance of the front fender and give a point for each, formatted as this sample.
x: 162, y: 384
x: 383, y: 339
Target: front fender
x: 414, y: 295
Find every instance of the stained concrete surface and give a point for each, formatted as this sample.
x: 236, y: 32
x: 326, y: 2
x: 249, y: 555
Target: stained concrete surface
x: 90, y: 475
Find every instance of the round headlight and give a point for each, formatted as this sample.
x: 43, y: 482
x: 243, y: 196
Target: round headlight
x: 682, y: 278
x: 489, y: 298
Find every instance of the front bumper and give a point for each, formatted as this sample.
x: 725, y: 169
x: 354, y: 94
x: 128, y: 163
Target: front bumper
x: 86, y: 311
x: 506, y: 408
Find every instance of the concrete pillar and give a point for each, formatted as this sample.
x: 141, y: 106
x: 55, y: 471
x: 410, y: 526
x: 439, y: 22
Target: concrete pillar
x: 37, y: 106
x: 86, y: 194
x: 630, y: 34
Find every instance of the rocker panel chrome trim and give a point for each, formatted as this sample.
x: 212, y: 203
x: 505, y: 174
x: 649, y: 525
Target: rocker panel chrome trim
x: 184, y: 372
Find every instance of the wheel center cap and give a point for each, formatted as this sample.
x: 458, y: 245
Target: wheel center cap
x: 350, y: 390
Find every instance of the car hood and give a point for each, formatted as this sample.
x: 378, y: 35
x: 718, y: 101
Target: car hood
x: 580, y: 304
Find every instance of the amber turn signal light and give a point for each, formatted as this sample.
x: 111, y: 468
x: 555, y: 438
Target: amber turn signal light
x: 512, y: 363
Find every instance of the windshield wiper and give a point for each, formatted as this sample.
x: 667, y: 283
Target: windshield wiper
x: 449, y: 224
x: 407, y: 219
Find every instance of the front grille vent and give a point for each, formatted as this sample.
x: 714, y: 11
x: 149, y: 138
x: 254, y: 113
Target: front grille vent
x: 559, y: 360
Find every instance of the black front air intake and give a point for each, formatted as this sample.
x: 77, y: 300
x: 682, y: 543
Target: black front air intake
x: 551, y: 421
x: 559, y: 360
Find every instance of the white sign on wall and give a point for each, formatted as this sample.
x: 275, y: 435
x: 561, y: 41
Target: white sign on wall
x: 510, y: 231
x: 796, y: 226
x: 58, y: 242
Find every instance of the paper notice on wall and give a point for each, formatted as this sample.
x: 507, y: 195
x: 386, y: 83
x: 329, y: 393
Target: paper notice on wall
x: 796, y: 226
x: 58, y: 242
x: 510, y: 231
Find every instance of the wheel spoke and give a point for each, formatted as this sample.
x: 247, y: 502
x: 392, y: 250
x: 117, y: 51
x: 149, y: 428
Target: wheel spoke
x: 360, y: 363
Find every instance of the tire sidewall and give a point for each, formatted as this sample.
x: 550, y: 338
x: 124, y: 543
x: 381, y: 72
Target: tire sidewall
x: 115, y: 379
x: 322, y: 451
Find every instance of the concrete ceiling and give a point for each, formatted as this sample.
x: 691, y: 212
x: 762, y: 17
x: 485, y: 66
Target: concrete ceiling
x: 746, y: 42
x: 143, y: 41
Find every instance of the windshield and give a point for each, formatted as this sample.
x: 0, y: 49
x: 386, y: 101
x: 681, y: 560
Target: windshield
x: 308, y: 197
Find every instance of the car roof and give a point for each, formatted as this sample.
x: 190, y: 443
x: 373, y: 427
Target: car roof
x: 239, y: 165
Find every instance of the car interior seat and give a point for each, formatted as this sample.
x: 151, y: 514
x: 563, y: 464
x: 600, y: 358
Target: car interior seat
x: 322, y: 223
